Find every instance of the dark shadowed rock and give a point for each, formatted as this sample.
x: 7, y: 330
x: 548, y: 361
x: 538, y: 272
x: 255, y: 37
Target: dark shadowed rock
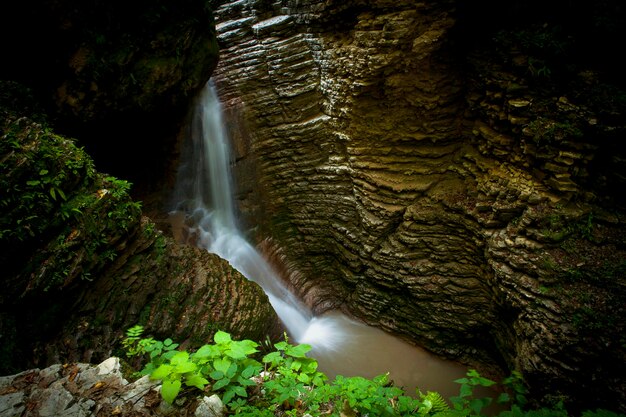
x: 81, y: 264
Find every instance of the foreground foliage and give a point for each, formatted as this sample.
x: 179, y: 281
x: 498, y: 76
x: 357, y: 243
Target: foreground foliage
x: 286, y: 382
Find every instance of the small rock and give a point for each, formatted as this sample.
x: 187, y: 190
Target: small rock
x: 109, y: 366
x: 210, y: 407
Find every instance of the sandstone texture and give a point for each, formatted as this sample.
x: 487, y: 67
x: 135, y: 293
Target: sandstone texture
x: 463, y: 195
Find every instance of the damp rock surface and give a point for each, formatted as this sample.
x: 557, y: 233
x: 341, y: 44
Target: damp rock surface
x: 447, y: 183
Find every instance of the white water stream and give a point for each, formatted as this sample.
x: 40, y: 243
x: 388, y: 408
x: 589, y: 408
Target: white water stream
x: 204, y: 216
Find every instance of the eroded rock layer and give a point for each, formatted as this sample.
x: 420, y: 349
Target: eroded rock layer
x: 443, y: 191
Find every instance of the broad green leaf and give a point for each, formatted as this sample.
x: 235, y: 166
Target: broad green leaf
x: 281, y: 345
x: 221, y: 337
x: 485, y: 382
x: 241, y: 391
x: 196, y: 380
x: 465, y: 391
x: 310, y: 367
x: 162, y: 372
x: 216, y: 375
x: 169, y: 390
x: 228, y: 395
x: 180, y: 357
x: 184, y: 367
x: 272, y: 358
x: 503, y: 398
x: 222, y: 365
x: 236, y: 351
x: 148, y: 369
x: 299, y: 351
x: 245, y: 382
x: 61, y: 193
x: 232, y: 370
x: 296, y: 365
x: 249, y: 372
x: 248, y: 346
x: 477, y: 404
x: 221, y: 384
x: 283, y: 397
x: 169, y: 355
x: 319, y: 379
x: 206, y: 351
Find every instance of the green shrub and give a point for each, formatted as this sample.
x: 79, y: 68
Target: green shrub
x: 291, y: 385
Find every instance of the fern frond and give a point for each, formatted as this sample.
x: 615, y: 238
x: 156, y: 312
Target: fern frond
x: 452, y: 413
x: 439, y: 404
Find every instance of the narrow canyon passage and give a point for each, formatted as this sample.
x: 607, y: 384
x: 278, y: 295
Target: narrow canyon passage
x: 203, y: 215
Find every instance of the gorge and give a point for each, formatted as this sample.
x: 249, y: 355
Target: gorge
x: 452, y: 175
x: 203, y: 216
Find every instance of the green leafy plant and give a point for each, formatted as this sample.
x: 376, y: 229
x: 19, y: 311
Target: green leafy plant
x: 291, y: 385
x: 367, y: 396
x: 226, y: 363
x: 465, y: 400
x: 515, y: 384
x: 289, y: 373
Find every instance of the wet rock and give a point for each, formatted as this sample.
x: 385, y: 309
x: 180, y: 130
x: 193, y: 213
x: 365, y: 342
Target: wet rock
x: 416, y: 185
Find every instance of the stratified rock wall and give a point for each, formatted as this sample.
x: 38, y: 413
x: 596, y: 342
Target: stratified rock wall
x: 426, y: 189
x: 81, y: 264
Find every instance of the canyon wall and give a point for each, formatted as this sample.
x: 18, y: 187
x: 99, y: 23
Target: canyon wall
x: 459, y: 194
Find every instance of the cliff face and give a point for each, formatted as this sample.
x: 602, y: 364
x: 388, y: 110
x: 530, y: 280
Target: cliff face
x: 459, y: 194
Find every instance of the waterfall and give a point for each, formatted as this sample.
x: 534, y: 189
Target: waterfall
x: 204, y: 193
x: 203, y: 196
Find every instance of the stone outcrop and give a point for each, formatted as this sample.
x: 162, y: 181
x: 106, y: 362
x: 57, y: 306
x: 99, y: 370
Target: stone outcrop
x: 81, y: 264
x: 448, y: 191
x: 81, y: 390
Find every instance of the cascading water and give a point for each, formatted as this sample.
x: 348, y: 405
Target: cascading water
x: 203, y: 196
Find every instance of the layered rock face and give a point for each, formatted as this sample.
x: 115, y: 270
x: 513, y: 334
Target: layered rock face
x: 81, y: 264
x: 436, y: 190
